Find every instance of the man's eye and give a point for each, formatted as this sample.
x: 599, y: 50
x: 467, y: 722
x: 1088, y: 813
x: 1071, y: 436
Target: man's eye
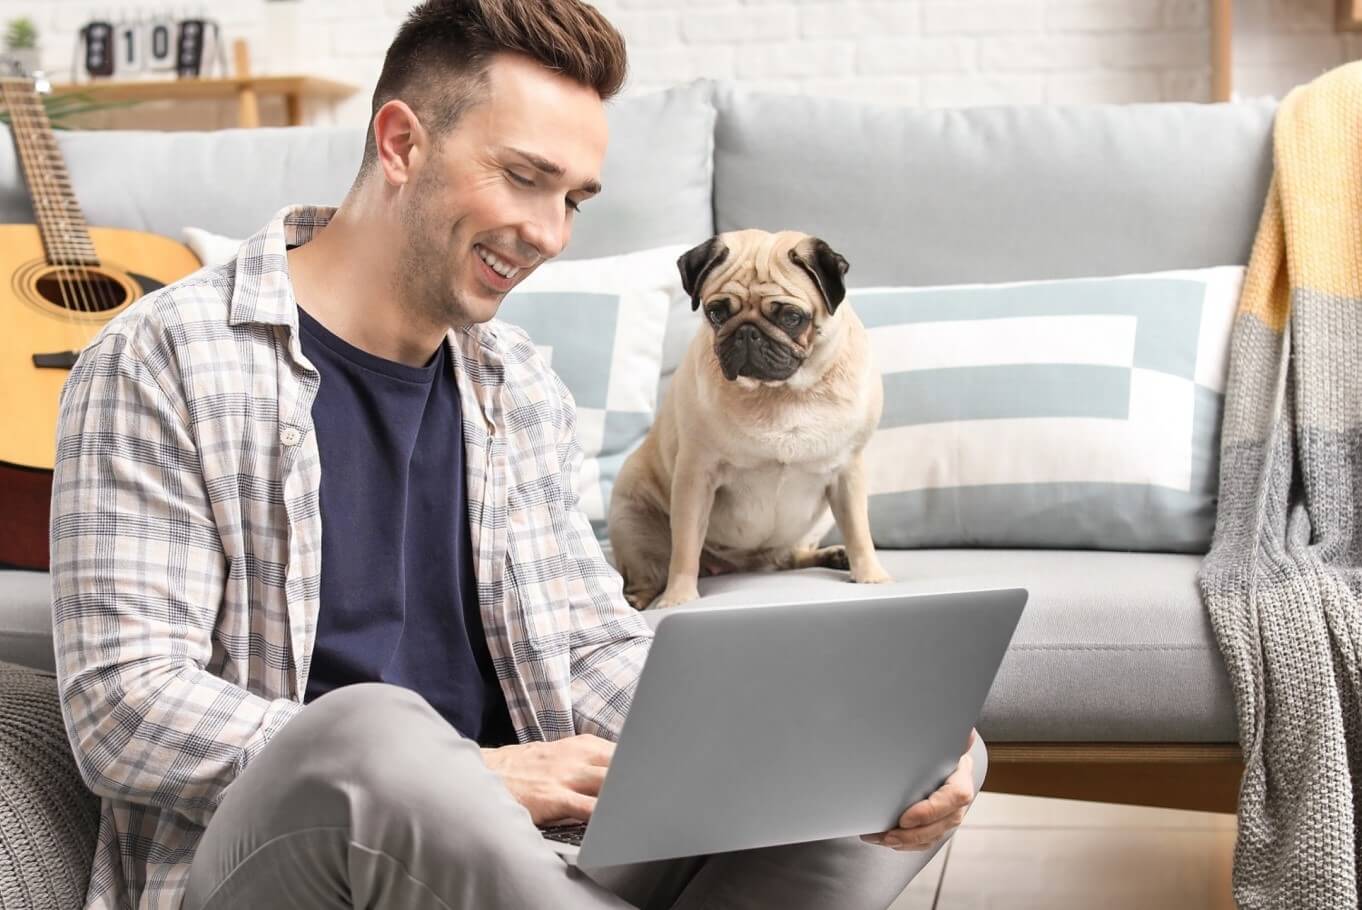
x: 518, y: 179
x: 575, y: 206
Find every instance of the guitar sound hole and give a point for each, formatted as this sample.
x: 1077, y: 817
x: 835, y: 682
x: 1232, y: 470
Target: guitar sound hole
x: 82, y: 290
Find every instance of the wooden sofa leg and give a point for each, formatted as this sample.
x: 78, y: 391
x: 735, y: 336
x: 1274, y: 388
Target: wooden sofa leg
x: 1198, y: 776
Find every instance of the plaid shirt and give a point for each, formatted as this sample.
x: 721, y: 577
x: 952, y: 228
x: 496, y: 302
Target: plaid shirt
x: 186, y: 552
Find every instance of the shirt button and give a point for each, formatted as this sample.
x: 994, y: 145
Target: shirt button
x: 290, y: 436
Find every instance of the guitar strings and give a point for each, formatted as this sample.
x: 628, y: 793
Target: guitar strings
x: 106, y: 297
x: 21, y: 146
x: 88, y: 288
x: 92, y: 293
x: 80, y: 265
x: 40, y: 183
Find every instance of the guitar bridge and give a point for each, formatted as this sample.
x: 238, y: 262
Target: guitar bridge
x: 61, y: 360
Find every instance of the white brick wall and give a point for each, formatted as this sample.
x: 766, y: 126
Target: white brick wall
x: 920, y: 52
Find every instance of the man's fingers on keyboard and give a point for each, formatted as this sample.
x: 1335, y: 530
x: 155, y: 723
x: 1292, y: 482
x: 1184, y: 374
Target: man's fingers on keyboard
x: 588, y: 779
x: 598, y: 751
x: 574, y: 805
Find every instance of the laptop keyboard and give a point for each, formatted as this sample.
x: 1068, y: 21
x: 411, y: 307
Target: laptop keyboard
x: 565, y: 834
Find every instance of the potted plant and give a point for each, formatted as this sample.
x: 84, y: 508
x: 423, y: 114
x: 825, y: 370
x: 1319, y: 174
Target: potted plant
x: 22, y: 57
x: 21, y: 45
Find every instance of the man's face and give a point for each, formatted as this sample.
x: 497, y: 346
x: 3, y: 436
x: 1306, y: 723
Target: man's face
x: 496, y: 197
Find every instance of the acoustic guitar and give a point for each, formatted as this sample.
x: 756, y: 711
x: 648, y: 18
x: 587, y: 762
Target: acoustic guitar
x: 64, y: 282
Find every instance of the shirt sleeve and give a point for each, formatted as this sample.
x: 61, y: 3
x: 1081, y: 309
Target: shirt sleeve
x: 609, y: 640
x: 138, y: 575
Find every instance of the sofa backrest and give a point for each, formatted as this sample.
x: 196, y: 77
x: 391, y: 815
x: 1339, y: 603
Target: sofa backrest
x: 657, y: 174
x: 908, y: 195
x: 914, y: 196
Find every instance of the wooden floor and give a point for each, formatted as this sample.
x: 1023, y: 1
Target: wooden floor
x: 1026, y: 853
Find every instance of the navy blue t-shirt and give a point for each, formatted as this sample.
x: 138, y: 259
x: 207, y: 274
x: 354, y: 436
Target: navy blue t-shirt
x: 399, y: 599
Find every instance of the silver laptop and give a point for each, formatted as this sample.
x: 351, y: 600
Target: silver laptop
x: 761, y: 725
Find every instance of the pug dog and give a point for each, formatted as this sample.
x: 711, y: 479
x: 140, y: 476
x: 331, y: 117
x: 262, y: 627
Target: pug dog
x: 762, y: 430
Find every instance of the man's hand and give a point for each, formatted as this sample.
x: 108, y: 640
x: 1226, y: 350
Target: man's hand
x: 923, y: 824
x: 557, y: 781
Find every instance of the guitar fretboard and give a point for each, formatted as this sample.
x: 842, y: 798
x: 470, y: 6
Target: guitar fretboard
x: 66, y: 237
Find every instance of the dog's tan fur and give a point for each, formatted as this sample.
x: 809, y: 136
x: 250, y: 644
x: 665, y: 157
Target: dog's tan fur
x: 738, y: 474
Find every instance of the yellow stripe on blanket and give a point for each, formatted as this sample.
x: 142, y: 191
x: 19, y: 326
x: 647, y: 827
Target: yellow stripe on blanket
x: 1266, y: 294
x: 1314, y: 207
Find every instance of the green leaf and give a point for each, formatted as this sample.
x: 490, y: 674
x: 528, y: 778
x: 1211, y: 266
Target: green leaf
x: 21, y: 33
x: 60, y: 107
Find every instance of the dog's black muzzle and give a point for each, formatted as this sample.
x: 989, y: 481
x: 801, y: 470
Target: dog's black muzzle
x: 748, y: 351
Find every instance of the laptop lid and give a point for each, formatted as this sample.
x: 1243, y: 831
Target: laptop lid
x: 760, y: 725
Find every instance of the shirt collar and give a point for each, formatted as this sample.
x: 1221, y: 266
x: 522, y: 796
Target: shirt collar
x: 263, y: 293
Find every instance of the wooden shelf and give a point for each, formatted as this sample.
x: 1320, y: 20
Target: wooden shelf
x: 244, y: 89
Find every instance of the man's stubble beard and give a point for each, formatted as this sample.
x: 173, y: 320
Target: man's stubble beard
x: 427, y: 280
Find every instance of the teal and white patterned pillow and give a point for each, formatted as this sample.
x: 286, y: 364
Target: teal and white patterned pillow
x: 599, y: 323
x: 1079, y: 413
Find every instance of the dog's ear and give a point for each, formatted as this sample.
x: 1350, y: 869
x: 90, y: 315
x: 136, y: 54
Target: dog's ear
x: 825, y: 266
x: 697, y: 263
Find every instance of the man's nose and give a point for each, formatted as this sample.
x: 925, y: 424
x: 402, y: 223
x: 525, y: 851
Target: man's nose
x: 547, y: 231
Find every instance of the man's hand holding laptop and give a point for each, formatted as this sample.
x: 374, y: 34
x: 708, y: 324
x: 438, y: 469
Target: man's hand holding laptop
x: 558, y: 783
x: 924, y: 823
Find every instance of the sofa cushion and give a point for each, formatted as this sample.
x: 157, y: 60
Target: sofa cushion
x: 657, y: 176
x: 1112, y: 647
x: 1076, y: 413
x: 913, y: 196
x: 26, y: 619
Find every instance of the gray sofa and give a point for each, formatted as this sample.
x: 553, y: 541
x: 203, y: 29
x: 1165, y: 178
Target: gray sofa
x: 1113, y: 688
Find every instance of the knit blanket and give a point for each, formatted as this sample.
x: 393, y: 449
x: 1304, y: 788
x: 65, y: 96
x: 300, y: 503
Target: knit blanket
x: 1283, y: 579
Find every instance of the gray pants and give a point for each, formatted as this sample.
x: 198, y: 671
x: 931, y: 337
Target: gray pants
x: 369, y: 798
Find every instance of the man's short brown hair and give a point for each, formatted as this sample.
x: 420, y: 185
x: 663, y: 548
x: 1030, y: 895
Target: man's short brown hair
x: 438, y: 62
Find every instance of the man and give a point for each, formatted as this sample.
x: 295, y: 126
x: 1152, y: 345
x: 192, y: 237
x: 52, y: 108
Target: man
x: 320, y: 476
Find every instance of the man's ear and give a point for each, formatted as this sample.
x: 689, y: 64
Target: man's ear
x: 697, y: 263
x: 825, y: 266
x: 402, y: 142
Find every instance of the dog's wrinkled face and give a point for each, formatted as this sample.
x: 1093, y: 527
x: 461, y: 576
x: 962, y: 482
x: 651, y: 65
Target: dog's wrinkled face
x: 766, y: 296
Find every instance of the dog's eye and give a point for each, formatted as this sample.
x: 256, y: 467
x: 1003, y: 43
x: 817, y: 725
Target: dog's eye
x: 718, y: 311
x: 792, y: 317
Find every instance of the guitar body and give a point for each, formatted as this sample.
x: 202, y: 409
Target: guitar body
x: 53, y: 311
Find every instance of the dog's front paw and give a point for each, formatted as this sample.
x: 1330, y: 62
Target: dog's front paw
x: 833, y: 558
x: 677, y: 595
x: 872, y: 574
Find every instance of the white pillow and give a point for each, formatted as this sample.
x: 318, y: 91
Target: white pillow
x: 599, y: 323
x: 212, y: 249
x: 1076, y: 413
